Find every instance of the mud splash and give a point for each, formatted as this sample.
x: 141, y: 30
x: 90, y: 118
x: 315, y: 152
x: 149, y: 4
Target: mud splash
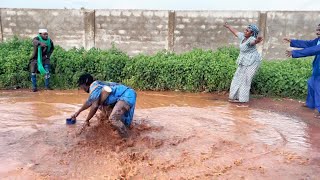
x: 174, y: 135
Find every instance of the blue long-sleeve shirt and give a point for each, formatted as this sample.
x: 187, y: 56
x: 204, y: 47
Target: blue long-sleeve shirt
x: 311, y: 48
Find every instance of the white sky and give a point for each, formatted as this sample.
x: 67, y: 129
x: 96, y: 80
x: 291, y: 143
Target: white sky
x: 262, y: 5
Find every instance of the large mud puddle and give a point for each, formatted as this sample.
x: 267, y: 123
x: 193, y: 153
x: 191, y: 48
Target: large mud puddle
x: 174, y: 136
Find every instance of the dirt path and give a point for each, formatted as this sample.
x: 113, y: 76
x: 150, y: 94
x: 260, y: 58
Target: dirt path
x: 174, y: 136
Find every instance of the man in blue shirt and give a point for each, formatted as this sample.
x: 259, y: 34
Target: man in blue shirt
x: 309, y: 48
x: 108, y: 94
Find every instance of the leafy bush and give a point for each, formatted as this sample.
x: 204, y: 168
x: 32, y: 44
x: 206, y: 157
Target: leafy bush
x: 14, y: 59
x: 286, y: 78
x: 196, y: 71
x: 66, y: 65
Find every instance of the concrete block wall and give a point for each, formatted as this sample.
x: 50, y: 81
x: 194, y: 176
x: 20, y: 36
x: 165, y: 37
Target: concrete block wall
x: 134, y: 31
x: 66, y: 27
x: 204, y: 29
x: 1, y: 34
x: 147, y: 31
x: 299, y: 25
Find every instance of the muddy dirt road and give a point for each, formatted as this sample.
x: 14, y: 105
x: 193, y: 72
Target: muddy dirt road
x: 174, y: 136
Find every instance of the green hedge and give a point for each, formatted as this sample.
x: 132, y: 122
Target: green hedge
x: 66, y: 66
x: 286, y: 78
x: 196, y: 71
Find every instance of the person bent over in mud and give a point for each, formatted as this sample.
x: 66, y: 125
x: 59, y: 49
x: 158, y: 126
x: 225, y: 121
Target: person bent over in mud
x: 106, y: 95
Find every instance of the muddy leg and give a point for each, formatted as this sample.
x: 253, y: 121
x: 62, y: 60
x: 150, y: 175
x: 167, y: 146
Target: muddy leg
x: 118, y: 111
x: 105, y: 112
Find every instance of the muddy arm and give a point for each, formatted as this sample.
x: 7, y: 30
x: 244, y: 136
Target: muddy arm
x: 85, y: 106
x: 93, y: 110
x: 94, y: 107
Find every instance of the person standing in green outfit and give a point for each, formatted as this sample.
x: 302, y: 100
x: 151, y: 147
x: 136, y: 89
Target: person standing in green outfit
x: 40, y: 59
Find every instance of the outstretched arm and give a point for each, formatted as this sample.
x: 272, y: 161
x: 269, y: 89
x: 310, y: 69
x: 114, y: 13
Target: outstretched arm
x: 94, y: 107
x: 301, y: 43
x: 85, y: 106
x: 93, y: 110
x: 234, y: 31
x: 96, y: 99
x: 311, y: 51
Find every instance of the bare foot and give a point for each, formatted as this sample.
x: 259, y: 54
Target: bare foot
x: 243, y: 105
x: 233, y: 100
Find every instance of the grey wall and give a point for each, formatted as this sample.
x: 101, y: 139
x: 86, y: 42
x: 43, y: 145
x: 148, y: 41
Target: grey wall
x: 1, y: 34
x: 66, y: 27
x: 204, y: 29
x: 134, y: 31
x: 146, y: 31
x: 300, y: 25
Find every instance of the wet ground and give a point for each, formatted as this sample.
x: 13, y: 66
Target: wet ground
x: 174, y: 136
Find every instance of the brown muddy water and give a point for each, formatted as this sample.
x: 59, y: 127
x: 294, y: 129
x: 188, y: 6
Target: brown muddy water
x: 174, y: 136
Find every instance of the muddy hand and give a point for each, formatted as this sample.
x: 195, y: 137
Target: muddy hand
x: 74, y: 116
x: 83, y: 128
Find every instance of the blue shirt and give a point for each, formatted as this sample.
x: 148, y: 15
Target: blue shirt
x: 118, y: 92
x: 311, y: 48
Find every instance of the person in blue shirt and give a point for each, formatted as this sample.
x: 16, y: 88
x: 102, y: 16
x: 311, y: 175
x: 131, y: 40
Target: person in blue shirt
x: 309, y: 48
x: 108, y: 94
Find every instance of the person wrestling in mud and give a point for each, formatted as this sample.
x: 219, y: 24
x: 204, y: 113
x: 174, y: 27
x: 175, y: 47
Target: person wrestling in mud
x: 116, y: 101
